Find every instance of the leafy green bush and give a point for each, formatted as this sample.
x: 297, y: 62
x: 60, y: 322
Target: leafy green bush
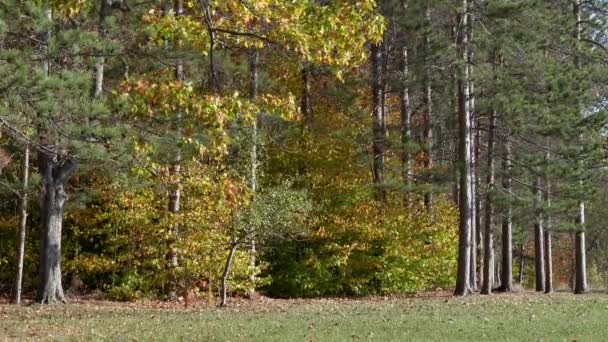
x: 357, y: 254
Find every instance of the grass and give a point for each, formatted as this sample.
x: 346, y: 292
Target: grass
x: 518, y: 317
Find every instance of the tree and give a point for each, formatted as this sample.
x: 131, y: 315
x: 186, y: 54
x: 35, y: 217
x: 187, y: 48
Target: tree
x: 463, y: 285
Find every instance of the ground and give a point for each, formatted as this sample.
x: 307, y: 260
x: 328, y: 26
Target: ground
x: 514, y: 317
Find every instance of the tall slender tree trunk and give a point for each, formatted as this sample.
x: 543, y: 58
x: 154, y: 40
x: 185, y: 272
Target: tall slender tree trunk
x: 476, y: 233
x: 22, y: 225
x: 488, y: 243
x: 548, y: 262
x: 463, y: 285
x: 406, y: 131
x: 507, y: 223
x: 539, y: 254
x: 580, y: 283
x: 547, y: 239
x: 379, y: 131
x: 174, y: 175
x: 253, y: 92
x: 427, y: 135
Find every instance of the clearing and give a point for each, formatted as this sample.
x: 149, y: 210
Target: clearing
x: 515, y: 317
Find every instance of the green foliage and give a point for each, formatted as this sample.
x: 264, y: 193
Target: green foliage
x: 357, y: 254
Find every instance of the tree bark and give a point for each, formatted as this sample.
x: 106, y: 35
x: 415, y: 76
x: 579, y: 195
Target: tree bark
x: 580, y: 282
x: 378, y: 128
x: 463, y: 285
x: 55, y: 173
x: 507, y: 235
x: 476, y: 234
x: 488, y: 241
x: 548, y: 263
x: 253, y: 91
x: 22, y: 225
x: 224, y: 293
x: 547, y: 239
x: 539, y: 264
x: 406, y: 131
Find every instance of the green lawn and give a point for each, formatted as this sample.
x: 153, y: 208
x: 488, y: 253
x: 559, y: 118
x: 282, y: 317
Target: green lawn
x: 520, y: 317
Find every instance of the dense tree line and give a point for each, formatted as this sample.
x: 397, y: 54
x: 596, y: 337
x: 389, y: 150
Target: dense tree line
x: 301, y: 148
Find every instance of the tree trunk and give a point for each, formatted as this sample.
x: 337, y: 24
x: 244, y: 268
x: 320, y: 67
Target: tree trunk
x: 54, y: 176
x: 548, y: 263
x: 496, y: 265
x: 463, y: 285
x: 476, y: 234
x: 406, y: 131
x: 548, y: 254
x: 507, y: 235
x: 539, y: 264
x: 104, y: 12
x: 427, y: 135
x: 378, y: 128
x: 55, y: 173
x: 253, y: 91
x: 22, y: 225
x: 488, y: 243
x: 224, y: 293
x: 580, y: 282
x: 174, y: 176
x: 520, y: 276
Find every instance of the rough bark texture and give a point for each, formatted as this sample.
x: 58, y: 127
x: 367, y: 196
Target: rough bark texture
x: 55, y: 173
x: 22, y: 225
x: 488, y: 241
x: 378, y: 128
x: 539, y: 254
x: 464, y: 243
x: 507, y: 223
x: 406, y: 131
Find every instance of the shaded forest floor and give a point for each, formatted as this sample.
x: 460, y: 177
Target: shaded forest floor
x: 438, y: 317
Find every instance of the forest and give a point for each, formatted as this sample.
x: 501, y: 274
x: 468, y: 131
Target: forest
x: 224, y: 149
